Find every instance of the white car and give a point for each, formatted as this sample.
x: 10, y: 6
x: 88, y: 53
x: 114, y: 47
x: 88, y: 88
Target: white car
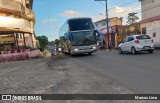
x: 59, y: 49
x: 136, y: 43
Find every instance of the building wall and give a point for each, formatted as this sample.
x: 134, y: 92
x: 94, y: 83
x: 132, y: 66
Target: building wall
x: 150, y: 8
x: 102, y: 25
x: 99, y: 24
x: 153, y: 30
x: 18, y: 14
x: 150, y: 24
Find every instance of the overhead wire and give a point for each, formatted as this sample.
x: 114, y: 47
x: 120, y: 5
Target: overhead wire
x: 139, y: 12
x: 123, y: 5
x: 92, y: 8
x: 102, y: 3
x: 119, y: 5
x: 96, y: 8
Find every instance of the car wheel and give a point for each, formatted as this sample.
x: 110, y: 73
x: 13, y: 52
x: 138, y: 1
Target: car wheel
x: 120, y: 51
x: 133, y: 50
x: 150, y: 51
x: 89, y: 53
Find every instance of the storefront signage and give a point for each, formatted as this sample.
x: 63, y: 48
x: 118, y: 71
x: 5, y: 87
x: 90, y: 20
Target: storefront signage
x: 111, y: 30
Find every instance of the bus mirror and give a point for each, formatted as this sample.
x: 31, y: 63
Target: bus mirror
x: 98, y: 33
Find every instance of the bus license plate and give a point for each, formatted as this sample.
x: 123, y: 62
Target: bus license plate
x: 146, y: 47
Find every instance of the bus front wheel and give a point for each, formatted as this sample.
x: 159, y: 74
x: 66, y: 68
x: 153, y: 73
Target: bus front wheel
x: 65, y: 53
x: 70, y: 53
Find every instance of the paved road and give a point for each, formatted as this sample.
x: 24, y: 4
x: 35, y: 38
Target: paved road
x: 104, y: 72
x: 139, y: 73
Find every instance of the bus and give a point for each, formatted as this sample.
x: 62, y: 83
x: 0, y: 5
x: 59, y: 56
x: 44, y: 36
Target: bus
x: 78, y: 36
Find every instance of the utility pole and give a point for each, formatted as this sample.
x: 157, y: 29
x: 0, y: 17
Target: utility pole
x: 106, y: 19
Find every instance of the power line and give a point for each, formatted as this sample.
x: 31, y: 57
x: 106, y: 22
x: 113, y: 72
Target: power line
x: 92, y: 8
x: 96, y: 8
x: 120, y: 5
x: 102, y: 3
x: 146, y: 9
x: 124, y: 4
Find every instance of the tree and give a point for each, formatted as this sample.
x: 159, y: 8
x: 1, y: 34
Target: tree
x: 132, y: 18
x: 51, y: 43
x: 43, y: 40
x: 57, y: 42
x: 132, y: 21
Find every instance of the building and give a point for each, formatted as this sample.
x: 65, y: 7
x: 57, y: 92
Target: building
x: 17, y: 23
x: 150, y: 23
x: 131, y: 29
x: 113, y: 23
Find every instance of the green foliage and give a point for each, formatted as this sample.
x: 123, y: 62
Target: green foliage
x: 28, y: 47
x: 44, y: 53
x: 51, y: 43
x: 43, y: 41
x: 21, y: 47
x: 32, y: 49
x: 57, y: 42
x: 132, y: 18
x: 41, y: 49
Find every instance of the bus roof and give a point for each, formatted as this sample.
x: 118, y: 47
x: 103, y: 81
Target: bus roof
x: 79, y: 18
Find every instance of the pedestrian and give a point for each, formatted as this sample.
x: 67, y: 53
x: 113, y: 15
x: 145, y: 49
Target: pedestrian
x: 104, y: 44
x: 110, y: 45
x: 100, y: 44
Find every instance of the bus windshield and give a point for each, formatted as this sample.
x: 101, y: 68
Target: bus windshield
x: 80, y: 24
x: 84, y: 38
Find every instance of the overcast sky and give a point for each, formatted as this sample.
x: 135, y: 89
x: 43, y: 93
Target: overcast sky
x: 51, y: 14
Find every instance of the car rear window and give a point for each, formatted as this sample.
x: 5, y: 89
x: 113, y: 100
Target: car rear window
x: 143, y: 37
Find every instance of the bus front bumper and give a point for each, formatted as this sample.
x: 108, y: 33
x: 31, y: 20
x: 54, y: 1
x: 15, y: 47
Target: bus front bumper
x: 84, y: 51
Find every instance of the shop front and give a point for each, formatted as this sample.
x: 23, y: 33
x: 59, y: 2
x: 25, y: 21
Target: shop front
x: 111, y: 36
x: 6, y: 42
x: 11, y: 48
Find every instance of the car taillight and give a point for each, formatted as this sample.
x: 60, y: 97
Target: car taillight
x: 136, y: 41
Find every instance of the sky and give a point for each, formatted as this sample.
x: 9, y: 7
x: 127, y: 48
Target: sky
x: 50, y: 15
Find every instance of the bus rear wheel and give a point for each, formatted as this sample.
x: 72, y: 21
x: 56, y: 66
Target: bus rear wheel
x: 65, y: 53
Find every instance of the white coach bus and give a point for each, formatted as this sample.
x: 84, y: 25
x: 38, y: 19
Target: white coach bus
x: 78, y: 36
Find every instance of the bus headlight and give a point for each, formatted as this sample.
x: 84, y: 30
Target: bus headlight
x: 94, y: 47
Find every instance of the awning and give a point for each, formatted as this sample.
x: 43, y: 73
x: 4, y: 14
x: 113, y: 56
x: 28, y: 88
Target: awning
x: 112, y: 29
